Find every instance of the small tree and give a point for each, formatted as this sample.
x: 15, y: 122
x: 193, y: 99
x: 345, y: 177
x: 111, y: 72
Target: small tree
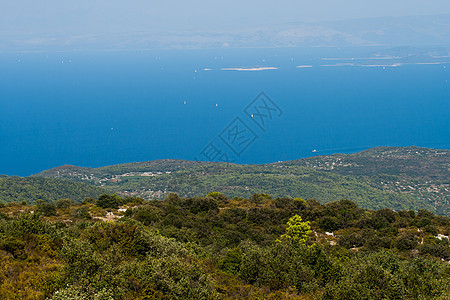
x: 82, y: 213
x: 259, y: 198
x: 88, y: 200
x: 297, y: 231
x: 219, y: 197
x: 45, y: 208
x: 64, y: 203
x: 172, y: 198
x: 109, y: 201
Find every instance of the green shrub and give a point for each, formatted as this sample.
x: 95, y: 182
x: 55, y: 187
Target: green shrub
x: 14, y: 246
x: 406, y: 242
x: 232, y: 261
x: 147, y: 214
x: 82, y: 213
x: 109, y: 201
x: 45, y: 208
x: 64, y: 203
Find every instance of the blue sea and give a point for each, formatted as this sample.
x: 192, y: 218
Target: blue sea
x: 100, y: 108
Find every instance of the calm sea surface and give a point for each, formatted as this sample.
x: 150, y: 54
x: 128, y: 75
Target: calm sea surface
x: 96, y: 109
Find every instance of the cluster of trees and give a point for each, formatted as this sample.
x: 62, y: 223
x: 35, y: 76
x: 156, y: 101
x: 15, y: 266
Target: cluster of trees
x: 285, y: 180
x: 105, y: 201
x: 214, y: 247
x: 31, y: 189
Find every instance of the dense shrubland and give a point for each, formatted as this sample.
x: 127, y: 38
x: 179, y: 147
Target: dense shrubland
x: 213, y: 248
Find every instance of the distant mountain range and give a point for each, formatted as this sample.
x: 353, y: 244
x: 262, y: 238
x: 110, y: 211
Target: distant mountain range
x: 408, y: 178
x: 386, y: 32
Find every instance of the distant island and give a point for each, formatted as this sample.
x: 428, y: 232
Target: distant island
x: 393, y: 57
x: 249, y: 69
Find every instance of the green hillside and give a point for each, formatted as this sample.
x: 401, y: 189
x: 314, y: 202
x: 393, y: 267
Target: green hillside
x: 397, y: 178
x: 419, y: 172
x: 31, y: 189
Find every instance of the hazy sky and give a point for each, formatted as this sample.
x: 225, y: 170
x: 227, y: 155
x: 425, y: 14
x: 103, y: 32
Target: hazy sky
x: 106, y: 16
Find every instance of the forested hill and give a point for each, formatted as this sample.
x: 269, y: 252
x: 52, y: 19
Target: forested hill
x: 400, y: 161
x: 31, y: 189
x: 420, y: 172
x: 384, y: 177
x: 151, y: 167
